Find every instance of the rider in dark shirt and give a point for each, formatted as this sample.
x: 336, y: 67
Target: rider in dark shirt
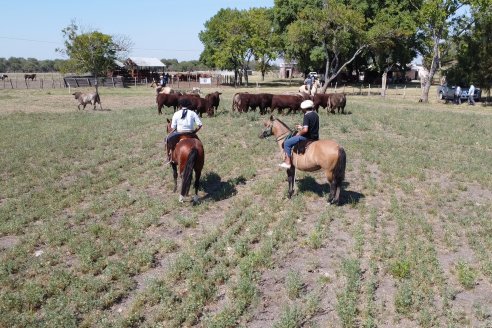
x: 309, y: 130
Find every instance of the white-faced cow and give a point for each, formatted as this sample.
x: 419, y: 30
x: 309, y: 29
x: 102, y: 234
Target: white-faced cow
x: 87, y: 98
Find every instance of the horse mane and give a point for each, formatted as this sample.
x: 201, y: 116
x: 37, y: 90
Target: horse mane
x: 285, y: 125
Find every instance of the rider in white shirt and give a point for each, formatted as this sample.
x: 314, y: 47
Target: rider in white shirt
x: 184, y: 121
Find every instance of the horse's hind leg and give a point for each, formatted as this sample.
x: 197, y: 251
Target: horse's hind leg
x: 175, y: 176
x: 331, y: 196
x: 290, y: 178
x: 197, y: 185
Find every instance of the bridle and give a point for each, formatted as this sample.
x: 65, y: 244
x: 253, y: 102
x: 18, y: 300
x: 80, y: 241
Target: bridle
x: 268, y: 132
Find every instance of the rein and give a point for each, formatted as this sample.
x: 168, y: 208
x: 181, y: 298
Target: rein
x: 285, y: 134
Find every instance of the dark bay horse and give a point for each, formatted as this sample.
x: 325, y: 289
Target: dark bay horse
x: 326, y: 155
x: 189, y: 156
x: 31, y: 77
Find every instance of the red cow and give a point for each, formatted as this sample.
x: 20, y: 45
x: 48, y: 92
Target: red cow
x: 213, y: 100
x: 292, y: 102
x: 198, y: 104
x: 168, y: 100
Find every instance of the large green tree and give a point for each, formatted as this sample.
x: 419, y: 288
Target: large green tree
x: 92, y: 52
x: 473, y: 44
x: 226, y: 42
x: 333, y: 33
x: 265, y: 42
x: 437, y: 18
x: 297, y: 39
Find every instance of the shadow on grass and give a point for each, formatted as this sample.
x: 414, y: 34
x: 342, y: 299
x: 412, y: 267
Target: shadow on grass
x: 217, y: 189
x: 308, y: 183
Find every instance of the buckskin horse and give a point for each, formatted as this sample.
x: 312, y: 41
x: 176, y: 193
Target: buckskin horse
x: 190, y: 156
x: 326, y: 155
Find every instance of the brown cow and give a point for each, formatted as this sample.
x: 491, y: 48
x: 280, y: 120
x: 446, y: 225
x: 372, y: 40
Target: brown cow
x: 198, y: 104
x: 330, y: 101
x: 245, y: 101
x: 292, y: 102
x: 213, y: 100
x: 168, y: 100
x: 338, y: 101
x: 236, y: 101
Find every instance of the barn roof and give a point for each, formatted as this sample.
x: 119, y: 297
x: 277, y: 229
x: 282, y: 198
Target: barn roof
x: 146, y: 62
x: 119, y: 64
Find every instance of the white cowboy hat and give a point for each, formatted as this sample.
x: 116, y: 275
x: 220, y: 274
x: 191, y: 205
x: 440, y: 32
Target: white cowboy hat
x: 307, y: 104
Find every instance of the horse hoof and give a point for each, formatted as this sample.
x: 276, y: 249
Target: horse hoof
x: 181, y: 199
x: 195, y: 199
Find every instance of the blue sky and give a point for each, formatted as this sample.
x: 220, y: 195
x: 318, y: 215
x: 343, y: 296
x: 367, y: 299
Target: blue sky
x: 158, y: 28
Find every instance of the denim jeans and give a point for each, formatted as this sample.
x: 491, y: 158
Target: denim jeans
x: 291, y: 142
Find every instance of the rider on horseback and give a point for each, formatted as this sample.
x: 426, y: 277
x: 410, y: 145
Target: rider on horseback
x: 309, y: 130
x: 183, y: 123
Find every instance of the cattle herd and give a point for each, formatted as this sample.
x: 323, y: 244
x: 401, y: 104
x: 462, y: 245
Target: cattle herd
x: 244, y: 101
x: 241, y: 101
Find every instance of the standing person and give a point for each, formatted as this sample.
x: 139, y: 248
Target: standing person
x: 457, y: 95
x: 308, y: 130
x: 165, y: 79
x: 161, y: 81
x: 308, y: 82
x: 184, y: 121
x: 471, y: 95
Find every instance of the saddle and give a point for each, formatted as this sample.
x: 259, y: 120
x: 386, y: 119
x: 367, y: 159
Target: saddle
x: 171, y: 144
x: 301, y: 146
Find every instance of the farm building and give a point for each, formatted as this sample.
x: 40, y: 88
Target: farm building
x: 287, y: 70
x: 144, y: 68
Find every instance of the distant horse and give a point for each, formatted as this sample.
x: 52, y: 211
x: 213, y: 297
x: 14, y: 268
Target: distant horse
x: 326, y: 155
x: 160, y: 89
x: 4, y: 77
x: 314, y: 88
x: 190, y: 156
x: 31, y: 77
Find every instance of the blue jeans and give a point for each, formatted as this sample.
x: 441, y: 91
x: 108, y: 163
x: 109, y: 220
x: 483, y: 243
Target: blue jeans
x: 291, y: 142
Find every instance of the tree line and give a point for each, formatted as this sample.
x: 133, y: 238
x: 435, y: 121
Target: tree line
x: 18, y: 64
x: 338, y: 37
x: 333, y: 37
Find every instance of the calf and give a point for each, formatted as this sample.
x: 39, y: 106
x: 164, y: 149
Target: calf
x: 87, y: 98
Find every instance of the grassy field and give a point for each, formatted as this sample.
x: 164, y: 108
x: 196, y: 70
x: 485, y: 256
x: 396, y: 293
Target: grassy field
x: 91, y: 234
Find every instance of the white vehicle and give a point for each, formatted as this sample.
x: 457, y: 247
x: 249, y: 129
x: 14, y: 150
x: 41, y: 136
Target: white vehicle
x: 314, y: 74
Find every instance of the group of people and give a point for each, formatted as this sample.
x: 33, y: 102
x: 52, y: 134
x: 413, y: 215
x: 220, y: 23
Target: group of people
x: 186, y: 121
x: 471, y: 95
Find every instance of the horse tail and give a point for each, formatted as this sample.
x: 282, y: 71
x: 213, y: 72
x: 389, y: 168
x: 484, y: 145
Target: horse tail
x: 187, y: 173
x: 339, y: 170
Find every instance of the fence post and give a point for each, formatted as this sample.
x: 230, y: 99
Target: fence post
x: 112, y: 80
x: 369, y: 90
x: 404, y: 91
x: 41, y: 83
x: 11, y: 84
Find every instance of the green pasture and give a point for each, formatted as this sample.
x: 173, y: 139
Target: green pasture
x: 91, y: 234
